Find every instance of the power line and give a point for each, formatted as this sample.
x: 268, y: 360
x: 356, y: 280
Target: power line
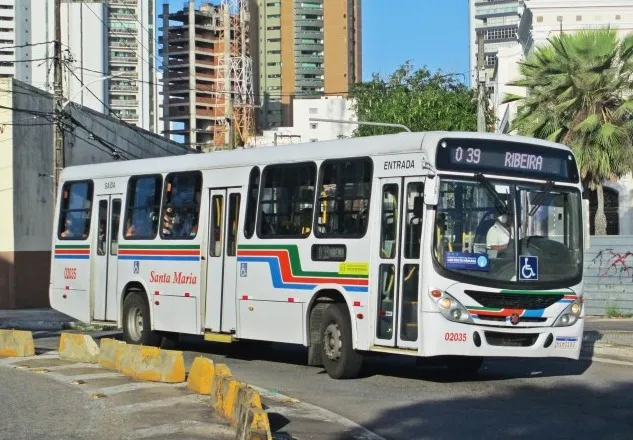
x: 112, y: 149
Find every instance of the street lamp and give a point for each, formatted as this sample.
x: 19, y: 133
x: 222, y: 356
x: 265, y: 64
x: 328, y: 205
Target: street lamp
x: 83, y: 87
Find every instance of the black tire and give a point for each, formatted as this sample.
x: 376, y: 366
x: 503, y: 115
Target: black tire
x: 339, y: 358
x: 466, y: 366
x: 136, y: 311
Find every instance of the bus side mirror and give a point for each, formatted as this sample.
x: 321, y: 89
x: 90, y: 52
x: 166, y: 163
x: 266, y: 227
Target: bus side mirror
x: 432, y: 191
x: 585, y: 223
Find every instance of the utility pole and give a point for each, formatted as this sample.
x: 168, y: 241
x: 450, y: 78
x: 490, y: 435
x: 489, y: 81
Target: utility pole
x: 481, y: 83
x: 58, y: 140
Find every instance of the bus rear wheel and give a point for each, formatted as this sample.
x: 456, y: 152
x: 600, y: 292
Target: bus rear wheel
x: 137, y: 328
x: 340, y: 359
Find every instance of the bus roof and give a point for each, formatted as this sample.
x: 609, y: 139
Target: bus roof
x: 425, y: 142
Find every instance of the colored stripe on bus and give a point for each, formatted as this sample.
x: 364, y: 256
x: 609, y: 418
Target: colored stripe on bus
x: 294, y: 260
x: 162, y: 252
x: 72, y: 252
x: 504, y: 313
x: 279, y: 282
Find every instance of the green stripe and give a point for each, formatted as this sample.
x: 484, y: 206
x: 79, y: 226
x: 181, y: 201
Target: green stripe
x: 161, y: 246
x: 484, y: 309
x: 295, y: 261
x: 532, y: 292
x: 72, y: 246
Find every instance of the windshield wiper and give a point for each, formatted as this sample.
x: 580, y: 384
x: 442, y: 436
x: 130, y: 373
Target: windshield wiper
x: 501, y: 206
x: 541, y: 197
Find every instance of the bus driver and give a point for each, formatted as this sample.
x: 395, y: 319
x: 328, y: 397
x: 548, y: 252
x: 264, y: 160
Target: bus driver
x: 499, y: 235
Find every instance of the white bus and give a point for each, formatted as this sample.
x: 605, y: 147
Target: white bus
x: 456, y: 246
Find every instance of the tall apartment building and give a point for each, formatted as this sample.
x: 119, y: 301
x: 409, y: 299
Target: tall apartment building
x: 114, y: 38
x: 498, y: 20
x: 305, y: 48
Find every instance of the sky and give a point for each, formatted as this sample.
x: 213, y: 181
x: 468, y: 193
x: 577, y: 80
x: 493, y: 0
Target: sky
x: 427, y: 32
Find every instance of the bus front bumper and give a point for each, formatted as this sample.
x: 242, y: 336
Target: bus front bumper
x: 442, y: 337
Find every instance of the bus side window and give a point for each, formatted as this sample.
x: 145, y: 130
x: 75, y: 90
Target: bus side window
x: 181, y: 207
x: 251, y: 203
x: 143, y: 203
x: 75, y: 211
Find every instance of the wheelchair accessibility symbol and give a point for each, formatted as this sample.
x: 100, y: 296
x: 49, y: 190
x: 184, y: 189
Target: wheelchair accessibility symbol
x: 528, y: 268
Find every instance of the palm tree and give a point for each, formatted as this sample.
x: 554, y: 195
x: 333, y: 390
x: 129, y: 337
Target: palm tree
x: 579, y: 94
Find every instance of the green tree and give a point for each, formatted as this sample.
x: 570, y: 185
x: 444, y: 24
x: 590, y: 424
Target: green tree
x: 418, y: 99
x: 578, y: 94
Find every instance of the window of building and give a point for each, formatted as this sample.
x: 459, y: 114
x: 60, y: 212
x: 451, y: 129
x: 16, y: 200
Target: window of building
x: 273, y: 64
x: 273, y: 52
x: 311, y: 28
x: 143, y: 205
x: 179, y: 220
x: 272, y: 4
x: 578, y: 17
x: 313, y: 110
x: 273, y: 16
x: 273, y: 28
x: 273, y: 40
x: 505, y: 33
x: 313, y: 125
x: 343, y: 202
x: 311, y: 5
x: 76, y: 207
x: 287, y: 200
x: 491, y: 60
x: 251, y: 203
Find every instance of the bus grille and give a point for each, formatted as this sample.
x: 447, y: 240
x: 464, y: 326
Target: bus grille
x: 510, y: 339
x: 500, y: 300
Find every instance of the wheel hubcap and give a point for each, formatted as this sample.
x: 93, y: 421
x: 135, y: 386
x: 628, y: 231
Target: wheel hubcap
x: 332, y: 342
x: 135, y: 323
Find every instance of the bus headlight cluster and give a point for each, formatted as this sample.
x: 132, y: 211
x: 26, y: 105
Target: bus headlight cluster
x: 449, y: 307
x: 570, y: 315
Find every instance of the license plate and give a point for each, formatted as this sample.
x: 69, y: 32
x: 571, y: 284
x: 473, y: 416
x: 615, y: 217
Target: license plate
x: 564, y: 342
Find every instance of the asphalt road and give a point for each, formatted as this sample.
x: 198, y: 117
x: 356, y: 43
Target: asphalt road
x: 399, y: 400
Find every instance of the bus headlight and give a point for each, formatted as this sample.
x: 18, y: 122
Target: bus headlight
x: 570, y: 315
x: 449, y: 307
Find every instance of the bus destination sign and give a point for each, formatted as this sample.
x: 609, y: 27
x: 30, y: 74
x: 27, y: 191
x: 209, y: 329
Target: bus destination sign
x: 506, y: 158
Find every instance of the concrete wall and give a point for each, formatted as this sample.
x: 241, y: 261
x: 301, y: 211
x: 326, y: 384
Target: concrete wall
x: 26, y: 187
x: 333, y: 107
x: 609, y: 275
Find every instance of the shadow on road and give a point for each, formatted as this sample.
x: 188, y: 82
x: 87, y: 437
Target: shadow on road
x: 518, y: 412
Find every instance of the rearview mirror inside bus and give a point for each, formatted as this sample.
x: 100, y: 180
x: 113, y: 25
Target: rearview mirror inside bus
x: 432, y: 191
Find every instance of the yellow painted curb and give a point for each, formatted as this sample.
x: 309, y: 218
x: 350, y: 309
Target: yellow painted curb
x: 110, y: 352
x: 17, y: 343
x: 152, y: 364
x: 201, y: 375
x: 225, y: 389
x: 78, y: 347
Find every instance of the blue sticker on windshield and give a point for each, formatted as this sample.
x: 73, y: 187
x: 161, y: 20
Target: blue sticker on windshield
x: 467, y: 261
x: 528, y: 268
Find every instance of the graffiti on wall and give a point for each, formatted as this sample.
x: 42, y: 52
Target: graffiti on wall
x: 612, y: 263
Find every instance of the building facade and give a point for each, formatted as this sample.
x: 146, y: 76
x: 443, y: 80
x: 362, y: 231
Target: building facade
x: 498, y: 21
x: 26, y: 187
x: 114, y: 38
x: 305, y: 49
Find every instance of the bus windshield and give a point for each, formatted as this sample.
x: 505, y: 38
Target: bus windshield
x: 486, y: 229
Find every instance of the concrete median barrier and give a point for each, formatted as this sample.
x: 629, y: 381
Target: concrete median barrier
x: 253, y: 425
x: 224, y: 394
x: 246, y: 398
x: 17, y: 343
x: 110, y: 352
x: 152, y: 364
x: 78, y: 347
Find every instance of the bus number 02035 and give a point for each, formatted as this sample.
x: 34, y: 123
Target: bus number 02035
x: 455, y: 337
x: 473, y: 155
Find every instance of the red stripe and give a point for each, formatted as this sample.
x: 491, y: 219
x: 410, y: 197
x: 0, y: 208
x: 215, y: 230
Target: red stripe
x: 72, y: 251
x: 503, y: 312
x: 288, y: 277
x: 157, y: 252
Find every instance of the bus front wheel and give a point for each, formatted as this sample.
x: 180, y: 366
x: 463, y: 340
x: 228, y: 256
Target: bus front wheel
x: 340, y: 359
x: 137, y: 328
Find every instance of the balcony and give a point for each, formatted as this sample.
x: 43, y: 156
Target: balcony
x: 123, y: 31
x: 132, y: 45
x: 121, y: 16
x: 122, y: 88
x: 122, y: 59
x: 126, y: 74
x: 124, y: 102
x: 307, y: 34
x: 124, y: 2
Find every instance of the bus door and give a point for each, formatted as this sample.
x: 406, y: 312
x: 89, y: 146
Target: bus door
x: 105, y: 255
x: 396, y: 261
x: 224, y: 213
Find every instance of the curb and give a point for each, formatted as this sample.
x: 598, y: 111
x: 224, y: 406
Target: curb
x: 78, y: 348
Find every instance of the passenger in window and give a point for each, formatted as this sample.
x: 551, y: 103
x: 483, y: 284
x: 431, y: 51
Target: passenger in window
x: 168, y: 221
x: 68, y: 228
x: 102, y: 237
x: 130, y: 230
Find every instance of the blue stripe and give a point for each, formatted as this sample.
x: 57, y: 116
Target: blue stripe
x: 533, y: 313
x: 158, y: 258
x: 72, y: 257
x: 275, y: 274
